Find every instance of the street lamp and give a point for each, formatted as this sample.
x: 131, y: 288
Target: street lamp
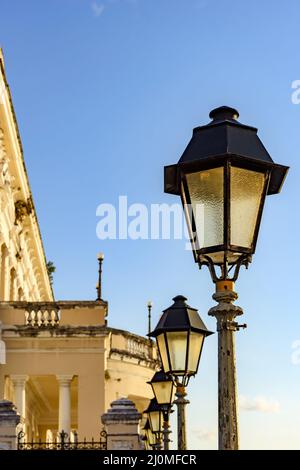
x: 155, y: 418
x: 223, y: 178
x: 180, y: 334
x: 163, y: 388
x: 150, y: 437
x: 149, y: 306
x: 164, y: 391
x: 100, y: 258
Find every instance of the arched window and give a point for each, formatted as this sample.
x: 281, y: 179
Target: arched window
x: 20, y: 294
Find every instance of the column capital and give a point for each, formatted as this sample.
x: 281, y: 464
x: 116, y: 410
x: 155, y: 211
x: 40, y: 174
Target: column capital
x: 19, y: 379
x: 64, y: 380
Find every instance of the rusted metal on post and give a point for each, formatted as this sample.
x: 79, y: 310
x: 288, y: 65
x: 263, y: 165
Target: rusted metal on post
x: 166, y: 431
x: 225, y: 313
x: 157, y: 446
x: 181, y: 403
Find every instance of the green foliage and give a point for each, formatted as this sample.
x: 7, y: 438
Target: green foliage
x: 50, y: 270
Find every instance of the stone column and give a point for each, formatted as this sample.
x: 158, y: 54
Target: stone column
x: 121, y: 423
x: 9, y: 420
x: 225, y: 313
x: 19, y: 383
x: 64, y: 414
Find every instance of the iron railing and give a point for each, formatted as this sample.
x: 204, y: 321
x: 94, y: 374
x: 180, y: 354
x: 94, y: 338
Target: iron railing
x: 63, y: 443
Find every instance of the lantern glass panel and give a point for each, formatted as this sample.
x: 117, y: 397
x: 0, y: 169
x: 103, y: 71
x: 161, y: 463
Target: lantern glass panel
x: 163, y: 352
x: 155, y: 421
x: 246, y: 190
x: 164, y: 392
x: 150, y: 436
x: 195, y: 346
x: 177, y: 344
x: 146, y: 444
x: 206, y: 191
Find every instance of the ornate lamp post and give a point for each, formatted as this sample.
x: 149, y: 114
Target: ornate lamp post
x: 223, y: 178
x: 100, y: 258
x: 180, y: 335
x: 155, y: 418
x: 164, y: 391
x: 149, y: 306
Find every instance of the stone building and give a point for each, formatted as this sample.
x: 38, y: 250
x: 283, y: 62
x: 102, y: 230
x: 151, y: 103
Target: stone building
x: 60, y: 362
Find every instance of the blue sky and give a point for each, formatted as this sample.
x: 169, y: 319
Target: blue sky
x: 107, y: 93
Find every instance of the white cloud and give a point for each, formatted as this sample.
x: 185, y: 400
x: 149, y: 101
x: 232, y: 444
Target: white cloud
x: 97, y: 9
x: 260, y: 404
x: 205, y: 434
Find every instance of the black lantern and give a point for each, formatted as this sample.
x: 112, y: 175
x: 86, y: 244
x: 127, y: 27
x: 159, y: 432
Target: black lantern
x: 223, y: 178
x: 151, y: 439
x: 163, y: 388
x: 155, y: 417
x: 180, y: 334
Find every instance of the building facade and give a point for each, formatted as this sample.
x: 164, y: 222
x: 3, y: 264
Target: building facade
x: 60, y: 362
x: 23, y: 271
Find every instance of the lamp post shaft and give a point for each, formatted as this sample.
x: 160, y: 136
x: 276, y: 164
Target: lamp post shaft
x: 166, y: 431
x: 149, y: 318
x: 99, y: 286
x: 181, y: 403
x: 225, y: 314
x: 157, y: 445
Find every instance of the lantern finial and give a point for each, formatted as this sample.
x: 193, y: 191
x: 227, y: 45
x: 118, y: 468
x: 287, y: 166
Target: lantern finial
x: 224, y: 113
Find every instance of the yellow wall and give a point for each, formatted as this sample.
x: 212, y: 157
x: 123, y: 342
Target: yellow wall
x: 105, y: 364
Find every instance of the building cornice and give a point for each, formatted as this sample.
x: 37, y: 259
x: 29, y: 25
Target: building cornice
x: 58, y: 304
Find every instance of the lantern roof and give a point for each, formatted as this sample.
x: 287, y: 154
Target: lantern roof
x: 160, y: 376
x: 180, y: 317
x: 226, y: 137
x: 153, y: 406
